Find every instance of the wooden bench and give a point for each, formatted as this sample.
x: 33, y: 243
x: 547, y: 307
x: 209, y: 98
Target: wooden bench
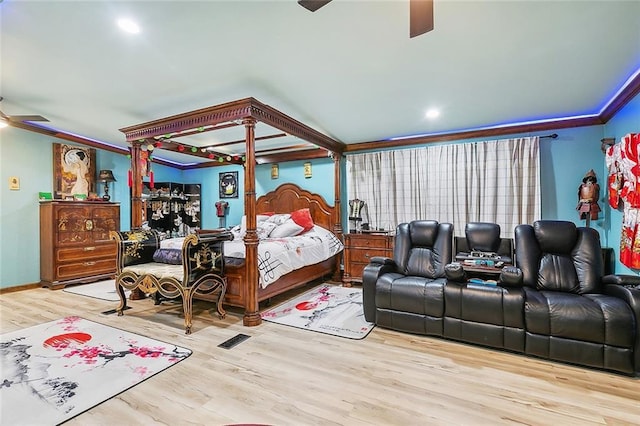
x: 197, y: 267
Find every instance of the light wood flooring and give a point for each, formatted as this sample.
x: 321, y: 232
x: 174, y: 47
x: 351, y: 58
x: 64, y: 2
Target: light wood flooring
x: 286, y: 376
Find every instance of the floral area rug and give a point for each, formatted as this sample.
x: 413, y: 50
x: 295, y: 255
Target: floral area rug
x: 105, y: 290
x: 327, y: 309
x: 54, y: 371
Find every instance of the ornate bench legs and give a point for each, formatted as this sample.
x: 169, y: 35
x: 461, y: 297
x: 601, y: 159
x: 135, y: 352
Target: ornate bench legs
x: 171, y: 288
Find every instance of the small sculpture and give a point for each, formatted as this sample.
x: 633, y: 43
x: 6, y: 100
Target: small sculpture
x: 588, y: 195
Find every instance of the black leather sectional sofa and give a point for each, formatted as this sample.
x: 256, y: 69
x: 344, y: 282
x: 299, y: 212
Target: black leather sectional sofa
x: 553, y: 303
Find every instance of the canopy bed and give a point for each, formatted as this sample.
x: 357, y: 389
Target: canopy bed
x: 243, y: 288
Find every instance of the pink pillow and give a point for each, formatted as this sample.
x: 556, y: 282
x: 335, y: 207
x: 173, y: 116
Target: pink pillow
x: 303, y: 218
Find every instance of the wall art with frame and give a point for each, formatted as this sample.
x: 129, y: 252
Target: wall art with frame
x: 228, y: 184
x: 74, y: 170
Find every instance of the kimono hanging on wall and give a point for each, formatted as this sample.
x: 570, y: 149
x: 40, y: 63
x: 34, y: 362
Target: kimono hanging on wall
x: 623, y: 189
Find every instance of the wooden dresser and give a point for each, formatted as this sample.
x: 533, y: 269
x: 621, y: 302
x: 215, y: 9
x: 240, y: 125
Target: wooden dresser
x: 358, y: 251
x: 74, y: 241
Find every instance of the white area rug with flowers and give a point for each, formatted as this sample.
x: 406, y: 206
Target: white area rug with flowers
x: 329, y: 309
x: 54, y: 371
x: 105, y: 290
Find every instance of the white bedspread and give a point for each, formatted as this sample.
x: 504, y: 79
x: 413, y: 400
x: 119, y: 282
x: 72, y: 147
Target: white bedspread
x: 279, y: 256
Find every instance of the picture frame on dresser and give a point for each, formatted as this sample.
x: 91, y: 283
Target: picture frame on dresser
x: 74, y: 170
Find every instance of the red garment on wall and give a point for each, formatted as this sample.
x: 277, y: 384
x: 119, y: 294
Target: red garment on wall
x: 623, y: 163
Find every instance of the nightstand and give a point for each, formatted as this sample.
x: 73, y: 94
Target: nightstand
x: 359, y: 248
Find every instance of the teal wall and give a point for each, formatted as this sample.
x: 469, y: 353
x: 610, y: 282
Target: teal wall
x: 321, y: 183
x: 626, y: 121
x: 27, y: 155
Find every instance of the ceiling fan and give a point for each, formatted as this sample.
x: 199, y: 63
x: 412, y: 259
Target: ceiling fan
x: 420, y: 14
x: 19, y: 118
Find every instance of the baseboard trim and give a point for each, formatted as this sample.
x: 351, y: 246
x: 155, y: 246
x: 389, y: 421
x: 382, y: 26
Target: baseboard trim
x: 19, y: 288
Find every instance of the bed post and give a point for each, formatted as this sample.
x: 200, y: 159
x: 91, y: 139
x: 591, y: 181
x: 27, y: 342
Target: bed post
x: 251, y: 315
x: 136, y: 186
x: 337, y: 210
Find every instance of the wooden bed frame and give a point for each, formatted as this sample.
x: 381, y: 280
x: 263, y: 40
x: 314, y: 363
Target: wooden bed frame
x: 284, y: 199
x: 243, y: 289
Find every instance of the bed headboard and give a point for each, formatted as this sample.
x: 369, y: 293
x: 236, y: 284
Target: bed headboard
x: 289, y: 197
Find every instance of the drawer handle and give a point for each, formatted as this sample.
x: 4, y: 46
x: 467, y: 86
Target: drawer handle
x: 89, y: 248
x: 88, y: 224
x: 366, y: 255
x: 89, y: 263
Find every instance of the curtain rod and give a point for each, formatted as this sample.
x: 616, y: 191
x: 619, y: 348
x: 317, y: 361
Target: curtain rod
x: 552, y: 136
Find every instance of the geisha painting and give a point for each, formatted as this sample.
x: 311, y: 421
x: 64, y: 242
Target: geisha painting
x: 74, y: 170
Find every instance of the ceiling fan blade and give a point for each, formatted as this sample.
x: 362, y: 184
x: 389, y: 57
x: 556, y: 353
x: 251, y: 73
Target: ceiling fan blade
x: 312, y: 5
x: 23, y: 118
x: 420, y: 17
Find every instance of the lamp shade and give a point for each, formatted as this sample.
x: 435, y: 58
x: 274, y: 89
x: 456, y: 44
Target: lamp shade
x: 106, y: 176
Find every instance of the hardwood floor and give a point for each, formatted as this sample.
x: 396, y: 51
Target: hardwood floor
x: 286, y: 376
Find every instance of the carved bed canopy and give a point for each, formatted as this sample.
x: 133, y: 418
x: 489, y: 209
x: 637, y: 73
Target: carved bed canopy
x: 172, y: 133
x: 187, y: 133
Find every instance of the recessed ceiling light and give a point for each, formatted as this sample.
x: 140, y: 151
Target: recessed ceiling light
x: 432, y: 113
x: 128, y: 25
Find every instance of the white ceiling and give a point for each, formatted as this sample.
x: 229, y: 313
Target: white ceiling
x: 349, y: 70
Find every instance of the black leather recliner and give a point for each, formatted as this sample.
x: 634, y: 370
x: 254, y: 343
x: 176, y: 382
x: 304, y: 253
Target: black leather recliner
x: 554, y: 303
x: 572, y: 313
x: 406, y: 293
x: 483, y: 238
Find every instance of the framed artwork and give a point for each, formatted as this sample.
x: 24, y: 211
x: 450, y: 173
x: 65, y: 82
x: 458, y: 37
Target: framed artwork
x: 228, y: 185
x: 74, y: 170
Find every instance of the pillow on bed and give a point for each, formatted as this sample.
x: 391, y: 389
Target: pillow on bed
x: 287, y: 229
x: 264, y: 229
x: 303, y: 218
x: 279, y: 218
x: 243, y: 223
x: 170, y: 256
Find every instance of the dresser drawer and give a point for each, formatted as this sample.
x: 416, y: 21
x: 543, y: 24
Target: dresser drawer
x: 87, y: 253
x: 367, y: 241
x: 366, y: 255
x: 85, y: 268
x: 359, y: 249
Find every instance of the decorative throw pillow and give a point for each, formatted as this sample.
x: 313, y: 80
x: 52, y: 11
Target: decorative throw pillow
x: 303, y: 218
x: 287, y: 229
x: 172, y: 243
x: 170, y: 256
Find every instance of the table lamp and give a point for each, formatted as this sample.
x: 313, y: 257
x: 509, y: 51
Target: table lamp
x: 106, y: 176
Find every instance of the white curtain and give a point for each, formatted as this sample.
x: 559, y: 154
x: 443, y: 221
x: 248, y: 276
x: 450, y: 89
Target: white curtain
x: 494, y: 181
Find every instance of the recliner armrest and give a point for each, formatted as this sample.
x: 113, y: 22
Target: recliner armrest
x: 378, y: 266
x: 623, y: 280
x: 380, y: 260
x: 455, y: 272
x: 511, y: 276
